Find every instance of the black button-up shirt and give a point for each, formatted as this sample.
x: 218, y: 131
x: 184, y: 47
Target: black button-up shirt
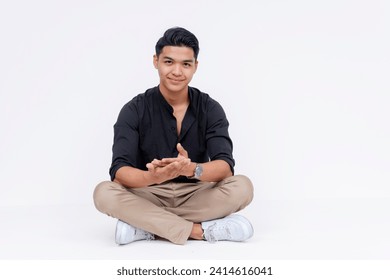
x: 146, y: 129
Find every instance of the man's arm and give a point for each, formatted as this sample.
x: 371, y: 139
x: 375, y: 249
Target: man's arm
x: 213, y: 171
x: 132, y: 177
x: 166, y: 169
x: 157, y: 173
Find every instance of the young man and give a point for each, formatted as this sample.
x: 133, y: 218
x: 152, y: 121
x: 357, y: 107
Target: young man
x: 172, y: 167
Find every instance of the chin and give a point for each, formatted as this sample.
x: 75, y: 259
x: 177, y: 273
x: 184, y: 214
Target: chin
x: 176, y: 88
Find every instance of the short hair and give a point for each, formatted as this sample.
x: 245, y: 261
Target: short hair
x: 180, y: 37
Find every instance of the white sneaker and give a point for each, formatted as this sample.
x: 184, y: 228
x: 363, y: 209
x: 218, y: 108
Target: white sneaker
x: 126, y: 233
x: 230, y: 228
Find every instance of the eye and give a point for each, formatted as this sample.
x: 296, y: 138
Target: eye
x: 186, y: 64
x: 169, y: 62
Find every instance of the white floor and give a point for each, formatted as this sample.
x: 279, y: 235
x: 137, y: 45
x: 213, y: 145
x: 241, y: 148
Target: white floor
x: 284, y: 230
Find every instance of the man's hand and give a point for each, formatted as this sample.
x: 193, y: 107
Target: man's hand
x: 170, y: 168
x: 167, y: 169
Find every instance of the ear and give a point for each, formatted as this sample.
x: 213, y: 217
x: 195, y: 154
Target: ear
x: 155, y: 61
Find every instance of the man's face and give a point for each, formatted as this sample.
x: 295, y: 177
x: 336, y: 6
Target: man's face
x: 176, y: 66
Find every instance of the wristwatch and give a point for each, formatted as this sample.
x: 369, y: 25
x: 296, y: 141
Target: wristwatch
x: 197, y: 172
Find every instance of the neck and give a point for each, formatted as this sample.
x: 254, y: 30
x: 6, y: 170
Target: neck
x: 175, y: 98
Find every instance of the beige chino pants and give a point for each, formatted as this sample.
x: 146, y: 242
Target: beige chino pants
x: 170, y: 209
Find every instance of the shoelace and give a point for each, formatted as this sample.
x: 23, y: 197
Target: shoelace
x: 214, y: 233
x: 149, y: 236
x: 144, y: 234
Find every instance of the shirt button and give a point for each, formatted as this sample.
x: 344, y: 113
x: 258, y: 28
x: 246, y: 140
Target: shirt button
x: 173, y: 128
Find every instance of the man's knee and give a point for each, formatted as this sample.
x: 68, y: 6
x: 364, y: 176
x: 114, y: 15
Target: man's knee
x: 102, y: 195
x: 245, y: 184
x: 239, y: 189
x: 245, y: 187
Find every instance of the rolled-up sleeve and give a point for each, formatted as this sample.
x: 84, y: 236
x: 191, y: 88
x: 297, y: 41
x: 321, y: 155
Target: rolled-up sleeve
x: 126, y: 138
x: 219, y: 144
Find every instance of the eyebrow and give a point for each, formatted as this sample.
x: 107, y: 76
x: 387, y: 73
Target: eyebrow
x: 186, y: 60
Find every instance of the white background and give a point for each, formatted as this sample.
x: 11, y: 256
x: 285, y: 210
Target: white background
x: 305, y: 85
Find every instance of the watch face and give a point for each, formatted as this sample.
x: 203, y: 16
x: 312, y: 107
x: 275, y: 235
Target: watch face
x: 198, y: 171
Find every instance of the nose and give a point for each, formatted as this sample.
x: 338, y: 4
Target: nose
x: 177, y: 70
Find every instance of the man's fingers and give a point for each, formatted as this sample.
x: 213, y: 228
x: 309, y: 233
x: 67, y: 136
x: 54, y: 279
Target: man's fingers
x: 150, y: 166
x: 168, y: 160
x: 176, y: 167
x: 157, y: 163
x: 181, y: 150
x: 181, y: 160
x: 168, y: 168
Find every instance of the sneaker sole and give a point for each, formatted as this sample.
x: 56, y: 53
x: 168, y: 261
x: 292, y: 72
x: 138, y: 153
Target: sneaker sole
x: 245, y: 225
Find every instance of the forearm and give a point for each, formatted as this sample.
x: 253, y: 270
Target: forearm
x: 213, y: 171
x: 133, y: 178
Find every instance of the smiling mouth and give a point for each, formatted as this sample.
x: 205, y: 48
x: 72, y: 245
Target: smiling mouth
x: 177, y: 81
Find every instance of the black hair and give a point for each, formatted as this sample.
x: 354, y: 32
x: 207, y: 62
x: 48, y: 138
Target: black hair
x: 180, y: 37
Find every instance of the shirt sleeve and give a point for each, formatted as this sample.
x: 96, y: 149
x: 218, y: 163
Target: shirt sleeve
x: 126, y: 137
x: 219, y: 144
